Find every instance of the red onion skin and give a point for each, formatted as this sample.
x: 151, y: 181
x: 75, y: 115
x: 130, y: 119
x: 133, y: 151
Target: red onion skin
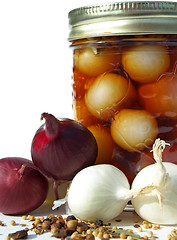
x: 22, y: 188
x: 62, y: 147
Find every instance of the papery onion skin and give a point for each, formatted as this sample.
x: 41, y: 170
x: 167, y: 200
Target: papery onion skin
x: 22, y: 188
x: 147, y: 205
x: 62, y: 147
x: 98, y: 192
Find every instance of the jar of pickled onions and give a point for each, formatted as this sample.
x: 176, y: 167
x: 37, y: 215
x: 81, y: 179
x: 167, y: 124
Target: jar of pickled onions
x: 125, y: 79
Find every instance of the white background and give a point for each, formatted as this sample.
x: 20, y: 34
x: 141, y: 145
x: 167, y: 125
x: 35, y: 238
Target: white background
x: 35, y: 69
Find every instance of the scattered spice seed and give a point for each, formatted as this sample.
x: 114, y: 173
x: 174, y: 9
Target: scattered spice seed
x: 152, y: 238
x: 2, y: 224
x: 136, y: 225
x: 123, y: 235
x: 95, y: 233
x: 158, y: 226
x: 150, y: 233
x: 46, y: 225
x: 51, y: 215
x: 12, y: 223
x: 22, y: 225
x: 74, y: 235
x: 100, y: 235
x: 154, y: 227
x: 135, y: 236
x: 129, y: 238
x: 98, y: 223
x: 149, y: 225
x: 89, y: 231
x: 145, y: 237
x: 174, y: 238
x: 31, y: 218
x: 144, y: 222
x: 174, y: 233
x: 113, y: 228
x: 145, y: 225
x: 106, y: 235
x: 72, y: 224
x: 118, y: 220
x: 168, y: 236
x: 70, y: 227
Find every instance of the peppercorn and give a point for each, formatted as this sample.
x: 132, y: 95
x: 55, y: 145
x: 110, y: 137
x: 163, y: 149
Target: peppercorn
x: 54, y: 230
x: 72, y: 224
x: 50, y: 215
x: 98, y: 223
x: 83, y: 225
x: 55, y: 225
x: 46, y: 224
x: 53, y: 219
x: 70, y: 217
x: 61, y: 234
x: 61, y: 222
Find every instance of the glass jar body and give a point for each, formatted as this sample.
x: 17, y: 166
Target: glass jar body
x: 125, y: 92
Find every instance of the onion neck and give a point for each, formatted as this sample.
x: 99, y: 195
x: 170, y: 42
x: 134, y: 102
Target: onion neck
x: 52, y: 125
x: 20, y: 171
x: 161, y: 176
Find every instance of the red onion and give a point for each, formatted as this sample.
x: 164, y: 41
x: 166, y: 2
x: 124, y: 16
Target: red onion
x: 22, y: 188
x: 62, y: 147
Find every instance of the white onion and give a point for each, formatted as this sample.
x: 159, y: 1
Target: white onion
x: 155, y: 190
x: 98, y: 192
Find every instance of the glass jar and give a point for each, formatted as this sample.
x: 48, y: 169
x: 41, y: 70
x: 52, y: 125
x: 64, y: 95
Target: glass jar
x: 125, y: 79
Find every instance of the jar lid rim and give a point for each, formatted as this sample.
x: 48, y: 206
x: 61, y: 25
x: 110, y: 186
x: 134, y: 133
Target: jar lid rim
x: 118, y: 18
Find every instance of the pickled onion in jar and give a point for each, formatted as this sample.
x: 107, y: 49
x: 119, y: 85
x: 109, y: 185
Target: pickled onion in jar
x: 160, y: 98
x: 109, y: 93
x: 105, y: 143
x: 134, y: 130
x: 95, y: 61
x: 145, y: 63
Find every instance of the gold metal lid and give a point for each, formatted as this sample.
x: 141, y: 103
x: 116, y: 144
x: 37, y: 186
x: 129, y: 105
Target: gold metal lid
x: 123, y: 18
